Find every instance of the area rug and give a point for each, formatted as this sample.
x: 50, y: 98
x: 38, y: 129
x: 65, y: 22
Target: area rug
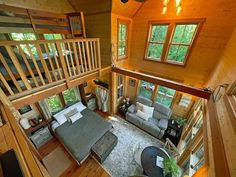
x: 121, y: 162
x: 56, y: 162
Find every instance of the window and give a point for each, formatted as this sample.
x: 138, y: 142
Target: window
x: 165, y: 95
x: 156, y: 41
x: 25, y: 36
x: 122, y: 39
x: 70, y: 96
x: 120, y: 86
x: 54, y: 103
x: 146, y: 89
x: 171, y: 42
x: 52, y: 36
x: 185, y: 101
x: 181, y: 42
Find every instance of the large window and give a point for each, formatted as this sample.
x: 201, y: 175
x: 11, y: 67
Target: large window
x: 123, y: 28
x: 165, y: 96
x: 171, y: 41
x: 54, y: 103
x: 70, y: 96
x: 146, y: 89
x: 120, y: 86
x: 53, y: 36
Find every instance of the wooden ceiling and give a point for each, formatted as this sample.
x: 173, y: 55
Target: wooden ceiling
x: 128, y: 9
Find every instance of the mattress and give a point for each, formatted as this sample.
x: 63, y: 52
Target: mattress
x: 80, y: 136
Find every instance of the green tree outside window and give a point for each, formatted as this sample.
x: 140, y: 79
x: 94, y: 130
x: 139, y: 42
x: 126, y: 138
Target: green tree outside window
x: 165, y: 95
x: 69, y: 96
x: 54, y: 103
x: 146, y: 89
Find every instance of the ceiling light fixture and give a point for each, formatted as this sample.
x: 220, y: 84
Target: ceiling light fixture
x: 177, y: 5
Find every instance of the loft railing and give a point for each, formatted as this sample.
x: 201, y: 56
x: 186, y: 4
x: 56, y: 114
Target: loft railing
x: 27, y: 65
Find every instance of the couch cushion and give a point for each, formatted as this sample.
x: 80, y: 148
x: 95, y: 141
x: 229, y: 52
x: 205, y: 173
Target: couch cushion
x: 142, y: 115
x: 151, y: 127
x: 162, y: 109
x: 134, y: 119
x: 144, y: 101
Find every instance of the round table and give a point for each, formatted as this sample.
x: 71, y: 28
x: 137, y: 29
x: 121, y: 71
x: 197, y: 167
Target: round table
x: 148, y: 161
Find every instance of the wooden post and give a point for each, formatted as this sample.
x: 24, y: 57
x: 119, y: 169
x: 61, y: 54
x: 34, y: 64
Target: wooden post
x: 99, y: 56
x: 113, y: 84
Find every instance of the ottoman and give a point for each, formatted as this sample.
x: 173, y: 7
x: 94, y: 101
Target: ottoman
x: 103, y: 147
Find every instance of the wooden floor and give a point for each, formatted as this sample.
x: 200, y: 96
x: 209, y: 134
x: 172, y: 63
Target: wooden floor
x: 89, y: 168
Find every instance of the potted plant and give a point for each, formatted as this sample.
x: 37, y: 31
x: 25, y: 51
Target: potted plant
x: 171, y: 169
x: 181, y: 121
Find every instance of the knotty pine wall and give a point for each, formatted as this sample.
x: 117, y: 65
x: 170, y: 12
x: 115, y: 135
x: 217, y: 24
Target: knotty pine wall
x: 225, y: 73
x: 220, y: 20
x: 62, y: 6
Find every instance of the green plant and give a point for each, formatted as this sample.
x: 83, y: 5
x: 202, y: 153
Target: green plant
x: 170, y: 167
x: 181, y: 121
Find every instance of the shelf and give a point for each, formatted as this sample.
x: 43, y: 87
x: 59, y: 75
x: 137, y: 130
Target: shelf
x: 32, y: 129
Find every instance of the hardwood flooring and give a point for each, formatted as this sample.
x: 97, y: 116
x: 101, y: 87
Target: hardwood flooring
x: 90, y: 168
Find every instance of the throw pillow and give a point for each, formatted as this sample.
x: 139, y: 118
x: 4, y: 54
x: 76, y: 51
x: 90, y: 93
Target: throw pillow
x: 148, y: 110
x: 142, y: 115
x: 75, y: 117
x: 139, y: 106
x: 71, y: 113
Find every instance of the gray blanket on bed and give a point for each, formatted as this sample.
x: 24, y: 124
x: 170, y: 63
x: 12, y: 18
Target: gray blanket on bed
x: 80, y: 136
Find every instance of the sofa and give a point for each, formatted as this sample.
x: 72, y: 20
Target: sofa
x: 155, y: 125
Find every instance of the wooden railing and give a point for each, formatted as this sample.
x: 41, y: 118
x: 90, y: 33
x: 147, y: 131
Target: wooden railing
x: 27, y: 65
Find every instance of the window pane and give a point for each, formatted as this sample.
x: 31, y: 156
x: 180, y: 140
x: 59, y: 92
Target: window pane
x: 173, y: 52
x: 23, y: 36
x: 122, y: 32
x: 155, y: 51
x: 165, y: 95
x: 182, y: 52
x: 54, y: 103
x: 146, y: 89
x: 52, y: 36
x: 184, y: 33
x: 122, y: 49
x: 158, y: 33
x: 69, y: 96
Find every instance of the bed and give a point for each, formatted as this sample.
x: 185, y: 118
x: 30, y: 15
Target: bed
x: 80, y: 136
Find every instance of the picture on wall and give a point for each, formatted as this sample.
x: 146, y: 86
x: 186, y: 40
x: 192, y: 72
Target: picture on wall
x: 25, y: 109
x: 132, y: 82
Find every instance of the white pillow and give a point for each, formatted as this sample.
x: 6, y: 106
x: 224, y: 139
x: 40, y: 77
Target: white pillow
x: 61, y: 119
x: 139, y: 106
x: 148, y: 110
x: 80, y: 107
x: 142, y: 115
x: 75, y: 117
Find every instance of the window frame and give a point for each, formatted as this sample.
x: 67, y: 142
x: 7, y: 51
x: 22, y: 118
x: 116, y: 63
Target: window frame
x: 172, y: 23
x: 127, y: 23
x: 165, y: 95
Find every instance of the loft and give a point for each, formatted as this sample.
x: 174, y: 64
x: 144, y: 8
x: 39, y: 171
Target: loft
x: 121, y: 77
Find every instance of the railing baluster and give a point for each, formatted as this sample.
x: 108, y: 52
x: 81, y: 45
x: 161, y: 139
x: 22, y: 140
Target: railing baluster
x: 63, y: 64
x: 45, y: 67
x: 6, y: 84
x: 88, y: 55
x: 92, y: 54
x: 99, y: 56
x: 18, y: 67
x: 84, y: 56
x: 81, y: 57
x: 95, y: 54
x: 28, y: 66
x: 71, y: 58
x: 76, y: 57
x: 66, y: 57
x: 10, y: 73
x: 55, y: 58
x: 50, y: 62
x: 35, y: 64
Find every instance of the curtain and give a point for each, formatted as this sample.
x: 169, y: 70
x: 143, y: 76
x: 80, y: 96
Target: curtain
x: 102, y: 98
x: 46, y: 111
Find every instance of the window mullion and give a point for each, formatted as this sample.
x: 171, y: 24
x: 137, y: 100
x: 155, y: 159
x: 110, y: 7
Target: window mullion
x: 167, y: 42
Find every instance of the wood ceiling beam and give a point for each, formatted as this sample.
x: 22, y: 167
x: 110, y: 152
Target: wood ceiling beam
x: 164, y: 82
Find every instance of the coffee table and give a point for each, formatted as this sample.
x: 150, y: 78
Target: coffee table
x: 148, y: 161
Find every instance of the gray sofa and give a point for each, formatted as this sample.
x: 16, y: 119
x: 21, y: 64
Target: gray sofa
x: 156, y: 125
